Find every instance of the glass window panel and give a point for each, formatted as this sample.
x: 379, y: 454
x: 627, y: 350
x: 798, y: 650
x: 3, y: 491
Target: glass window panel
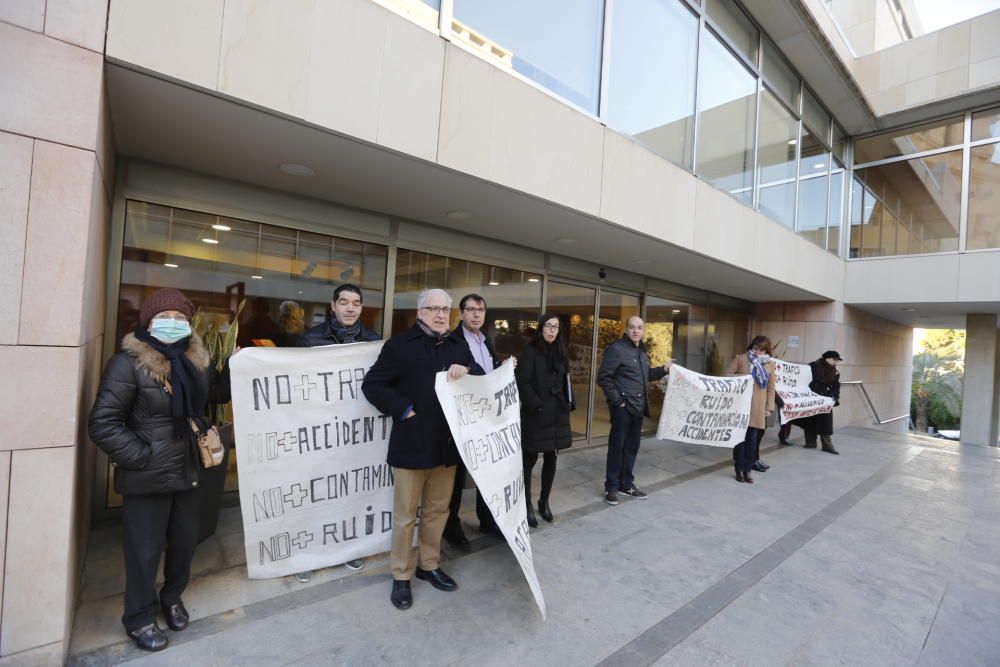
x: 780, y: 76
x: 984, y: 198
x: 813, y: 209
x: 513, y: 297
x: 778, y: 138
x: 911, y: 140
x: 574, y: 305
x: 986, y: 124
x: 556, y: 43
x: 890, y: 228
x: 671, y: 333
x: 727, y: 110
x: 778, y: 203
x: 815, y: 117
x: 839, y: 143
x: 615, y: 310
x: 651, y: 82
x: 836, y: 210
x: 735, y: 25
x: 857, y: 215
x: 815, y: 157
x: 871, y: 226
x: 727, y: 335
x: 928, y: 190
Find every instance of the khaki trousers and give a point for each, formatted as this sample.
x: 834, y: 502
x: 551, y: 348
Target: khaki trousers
x: 430, y: 490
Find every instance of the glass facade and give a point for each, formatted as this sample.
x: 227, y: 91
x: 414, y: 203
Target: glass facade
x: 984, y: 197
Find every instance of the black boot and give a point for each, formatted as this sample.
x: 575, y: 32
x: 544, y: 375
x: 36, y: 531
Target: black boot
x: 544, y: 510
x: 532, y: 521
x: 828, y: 445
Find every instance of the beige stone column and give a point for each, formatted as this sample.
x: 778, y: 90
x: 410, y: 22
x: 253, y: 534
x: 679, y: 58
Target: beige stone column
x: 979, y: 389
x: 56, y: 175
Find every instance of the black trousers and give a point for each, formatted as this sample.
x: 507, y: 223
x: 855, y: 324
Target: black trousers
x: 548, y: 473
x: 152, y: 522
x: 483, y: 512
x: 748, y: 451
x: 623, y: 448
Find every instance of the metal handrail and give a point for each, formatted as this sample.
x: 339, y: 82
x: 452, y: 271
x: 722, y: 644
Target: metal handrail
x: 872, y: 405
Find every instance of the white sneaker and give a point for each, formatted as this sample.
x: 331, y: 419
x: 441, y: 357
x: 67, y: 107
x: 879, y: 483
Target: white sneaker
x: 356, y: 565
x: 304, y: 577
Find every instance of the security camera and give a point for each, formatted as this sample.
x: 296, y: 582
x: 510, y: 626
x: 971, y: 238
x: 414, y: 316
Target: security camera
x: 602, y: 274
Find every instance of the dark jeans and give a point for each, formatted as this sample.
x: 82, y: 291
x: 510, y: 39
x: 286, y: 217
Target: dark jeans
x: 152, y: 522
x: 748, y: 451
x: 623, y: 447
x: 483, y: 512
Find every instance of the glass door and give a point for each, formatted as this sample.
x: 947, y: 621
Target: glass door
x: 574, y: 305
x: 674, y: 330
x: 614, y: 311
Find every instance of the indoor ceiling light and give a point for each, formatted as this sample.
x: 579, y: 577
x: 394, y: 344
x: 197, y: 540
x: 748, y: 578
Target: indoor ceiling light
x: 255, y: 277
x: 170, y: 265
x: 819, y: 165
x: 909, y: 310
x: 296, y: 169
x: 494, y: 283
x: 643, y: 261
x: 459, y: 215
x: 565, y: 239
x: 792, y: 142
x: 532, y: 280
x: 211, y: 241
x: 676, y: 310
x: 222, y: 228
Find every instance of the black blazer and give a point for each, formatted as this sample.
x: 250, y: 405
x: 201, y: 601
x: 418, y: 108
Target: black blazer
x: 459, y: 334
x: 403, y: 377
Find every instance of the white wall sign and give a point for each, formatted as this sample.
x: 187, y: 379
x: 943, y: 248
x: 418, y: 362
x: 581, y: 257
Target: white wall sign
x: 793, y: 342
x: 704, y: 409
x: 314, y: 484
x: 484, y: 414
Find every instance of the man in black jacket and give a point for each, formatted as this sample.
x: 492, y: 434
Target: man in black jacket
x: 624, y: 376
x: 342, y: 325
x: 472, y: 314
x: 422, y: 452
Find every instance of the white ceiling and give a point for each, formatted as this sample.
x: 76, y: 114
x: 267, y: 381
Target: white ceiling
x: 164, y: 122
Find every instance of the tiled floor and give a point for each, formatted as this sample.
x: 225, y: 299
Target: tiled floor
x: 884, y: 555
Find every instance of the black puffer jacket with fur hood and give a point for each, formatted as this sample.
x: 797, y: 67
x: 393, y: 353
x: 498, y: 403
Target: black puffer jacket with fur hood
x: 131, y: 420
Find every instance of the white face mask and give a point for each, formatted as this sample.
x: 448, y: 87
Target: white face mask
x: 170, y: 330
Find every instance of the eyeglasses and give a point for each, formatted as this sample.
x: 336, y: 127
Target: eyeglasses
x: 551, y: 327
x: 438, y: 310
x: 477, y: 311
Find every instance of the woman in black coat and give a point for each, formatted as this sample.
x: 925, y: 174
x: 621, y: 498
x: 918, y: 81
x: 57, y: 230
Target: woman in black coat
x: 162, y: 379
x: 825, y: 382
x: 541, y: 374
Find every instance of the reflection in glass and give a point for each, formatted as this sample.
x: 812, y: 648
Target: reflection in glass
x: 574, y: 305
x: 735, y: 25
x: 984, y: 198
x: 911, y: 140
x: 727, y: 110
x: 651, y: 81
x: 778, y: 203
x: 815, y: 117
x: 923, y: 196
x: 512, y: 297
x: 615, y: 310
x: 813, y: 209
x: 727, y: 335
x: 556, y: 43
x: 836, y: 209
x: 776, y: 160
x: 986, y: 124
x: 780, y: 76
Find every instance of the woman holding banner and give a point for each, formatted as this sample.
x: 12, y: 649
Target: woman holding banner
x: 542, y: 381
x: 825, y: 382
x: 154, y: 391
x: 755, y: 362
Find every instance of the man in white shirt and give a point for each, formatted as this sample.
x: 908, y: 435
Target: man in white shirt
x: 472, y: 311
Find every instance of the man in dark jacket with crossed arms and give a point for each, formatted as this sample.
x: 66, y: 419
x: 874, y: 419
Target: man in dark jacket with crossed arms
x: 624, y: 376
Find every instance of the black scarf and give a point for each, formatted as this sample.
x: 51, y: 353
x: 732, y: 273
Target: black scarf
x: 552, y: 357
x: 342, y: 334
x: 187, y: 392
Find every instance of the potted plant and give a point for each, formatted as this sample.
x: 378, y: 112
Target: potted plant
x: 220, y: 346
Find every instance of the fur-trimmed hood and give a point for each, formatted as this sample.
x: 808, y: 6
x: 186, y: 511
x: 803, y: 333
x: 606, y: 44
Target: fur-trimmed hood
x: 157, y: 365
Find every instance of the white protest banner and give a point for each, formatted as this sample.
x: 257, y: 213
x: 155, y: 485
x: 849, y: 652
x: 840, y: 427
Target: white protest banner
x: 484, y: 414
x: 314, y: 485
x: 792, y: 384
x: 705, y: 410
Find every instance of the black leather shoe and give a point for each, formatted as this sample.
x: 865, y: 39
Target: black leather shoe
x: 401, y: 596
x: 760, y: 467
x: 545, y: 511
x: 831, y: 450
x: 150, y: 638
x: 458, y: 540
x: 438, y: 579
x: 532, y: 521
x: 177, y: 616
